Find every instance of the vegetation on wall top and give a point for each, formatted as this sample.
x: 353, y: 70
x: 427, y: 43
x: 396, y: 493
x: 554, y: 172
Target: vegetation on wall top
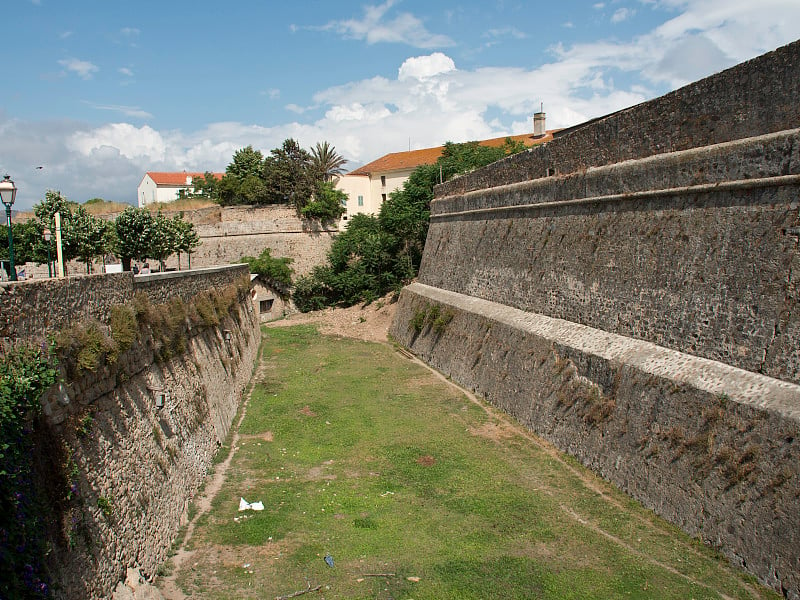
x: 275, y: 271
x: 288, y: 175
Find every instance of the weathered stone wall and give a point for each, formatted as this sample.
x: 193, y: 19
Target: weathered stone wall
x: 712, y: 448
x: 37, y: 308
x: 119, y: 471
x: 695, y: 250
x: 227, y: 234
x: 640, y: 308
x: 755, y: 97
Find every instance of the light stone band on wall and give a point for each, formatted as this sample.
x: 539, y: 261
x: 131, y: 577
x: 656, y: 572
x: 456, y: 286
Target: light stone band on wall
x: 710, y: 376
x: 706, y: 188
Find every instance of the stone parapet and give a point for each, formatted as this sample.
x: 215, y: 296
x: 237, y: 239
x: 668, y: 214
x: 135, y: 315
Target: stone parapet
x: 755, y: 97
x: 695, y: 251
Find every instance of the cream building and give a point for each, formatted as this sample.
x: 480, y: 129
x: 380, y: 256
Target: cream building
x: 368, y: 187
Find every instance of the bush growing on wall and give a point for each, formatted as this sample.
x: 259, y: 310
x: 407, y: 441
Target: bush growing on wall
x: 25, y: 373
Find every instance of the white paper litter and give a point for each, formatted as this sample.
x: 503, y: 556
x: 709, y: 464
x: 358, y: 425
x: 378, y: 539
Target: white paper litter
x: 245, y: 505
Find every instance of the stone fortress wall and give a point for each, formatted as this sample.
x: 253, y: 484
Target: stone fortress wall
x: 629, y: 291
x: 227, y: 234
x: 130, y: 466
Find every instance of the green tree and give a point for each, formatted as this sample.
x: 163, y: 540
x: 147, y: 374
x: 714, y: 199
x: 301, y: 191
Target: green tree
x: 134, y: 228
x: 45, y: 212
x: 275, y: 271
x: 26, y: 243
x: 287, y: 175
x: 327, y: 204
x: 228, y: 190
x: 253, y: 190
x: 187, y: 238
x: 163, y: 239
x: 326, y: 162
x: 246, y: 162
x: 25, y: 374
x: 206, y: 186
x: 88, y: 237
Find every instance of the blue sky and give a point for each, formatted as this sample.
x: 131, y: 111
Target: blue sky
x: 99, y: 92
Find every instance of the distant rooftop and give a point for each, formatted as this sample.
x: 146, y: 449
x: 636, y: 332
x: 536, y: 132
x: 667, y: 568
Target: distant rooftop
x: 401, y: 161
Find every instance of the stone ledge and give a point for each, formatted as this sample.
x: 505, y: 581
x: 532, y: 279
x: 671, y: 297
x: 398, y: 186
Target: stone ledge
x: 710, y: 376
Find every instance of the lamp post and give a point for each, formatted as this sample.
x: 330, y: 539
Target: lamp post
x: 8, y: 192
x: 47, y: 235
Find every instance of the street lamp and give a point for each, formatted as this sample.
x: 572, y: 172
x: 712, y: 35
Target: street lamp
x: 8, y: 192
x: 47, y: 235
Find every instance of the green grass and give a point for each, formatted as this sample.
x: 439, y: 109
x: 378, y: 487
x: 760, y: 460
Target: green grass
x: 358, y: 453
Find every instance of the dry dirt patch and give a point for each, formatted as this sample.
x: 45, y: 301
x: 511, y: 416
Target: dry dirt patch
x: 370, y: 323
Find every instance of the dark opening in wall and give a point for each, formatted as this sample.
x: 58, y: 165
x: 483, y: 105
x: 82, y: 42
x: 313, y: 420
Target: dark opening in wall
x: 265, y: 305
x: 550, y: 171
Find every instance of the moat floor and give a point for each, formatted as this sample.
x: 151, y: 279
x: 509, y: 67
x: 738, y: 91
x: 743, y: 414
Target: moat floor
x: 380, y: 479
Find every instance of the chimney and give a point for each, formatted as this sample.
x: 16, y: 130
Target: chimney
x: 538, y: 123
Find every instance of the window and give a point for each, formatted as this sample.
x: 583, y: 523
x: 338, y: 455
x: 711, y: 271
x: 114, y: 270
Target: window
x: 265, y: 306
x: 383, y: 197
x: 361, y: 200
x: 383, y: 180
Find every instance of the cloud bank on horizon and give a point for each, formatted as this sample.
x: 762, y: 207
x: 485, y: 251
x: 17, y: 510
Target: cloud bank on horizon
x: 421, y: 78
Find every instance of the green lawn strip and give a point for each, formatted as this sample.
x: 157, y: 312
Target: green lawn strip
x: 358, y: 453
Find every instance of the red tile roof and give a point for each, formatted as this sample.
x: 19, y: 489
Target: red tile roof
x: 401, y: 161
x: 179, y: 178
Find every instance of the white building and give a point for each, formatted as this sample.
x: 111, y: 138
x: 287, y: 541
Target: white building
x: 166, y: 187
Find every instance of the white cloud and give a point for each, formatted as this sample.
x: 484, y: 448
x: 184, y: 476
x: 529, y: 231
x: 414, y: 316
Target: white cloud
x: 295, y: 108
x: 622, y: 14
x: 82, y: 68
x: 130, y: 141
x: 125, y: 71
x: 374, y: 28
x: 128, y: 111
x: 130, y: 32
x: 424, y: 67
x: 272, y: 94
x: 506, y: 32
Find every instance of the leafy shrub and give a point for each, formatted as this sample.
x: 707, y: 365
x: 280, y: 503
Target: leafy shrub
x: 124, y: 327
x: 441, y: 321
x: 418, y: 320
x: 25, y: 374
x: 275, y: 271
x: 84, y: 346
x: 326, y: 205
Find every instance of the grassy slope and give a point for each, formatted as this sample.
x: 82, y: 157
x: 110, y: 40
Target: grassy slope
x: 358, y: 453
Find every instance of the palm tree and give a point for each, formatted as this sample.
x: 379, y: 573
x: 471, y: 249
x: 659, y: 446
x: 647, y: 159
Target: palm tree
x: 326, y: 162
